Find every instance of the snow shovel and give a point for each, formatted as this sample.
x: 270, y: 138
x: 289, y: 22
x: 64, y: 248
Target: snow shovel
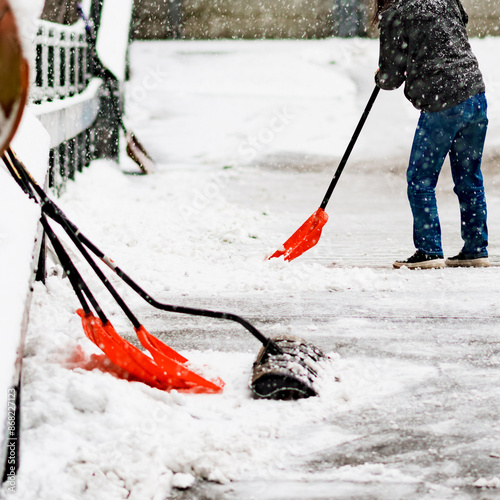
x: 309, y: 233
x: 166, y: 369
x: 135, y: 149
x: 283, y: 370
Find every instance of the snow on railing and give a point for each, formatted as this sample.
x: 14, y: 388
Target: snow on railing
x: 61, y: 61
x: 65, y: 97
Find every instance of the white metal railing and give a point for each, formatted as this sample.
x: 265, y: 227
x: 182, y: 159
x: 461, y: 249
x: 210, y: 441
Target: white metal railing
x: 65, y: 97
x: 69, y: 103
x: 61, y: 61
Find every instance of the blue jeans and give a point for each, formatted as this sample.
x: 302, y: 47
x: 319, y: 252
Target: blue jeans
x: 459, y: 131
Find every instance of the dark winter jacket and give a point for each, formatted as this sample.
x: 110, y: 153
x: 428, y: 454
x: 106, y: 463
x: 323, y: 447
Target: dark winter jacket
x: 424, y: 43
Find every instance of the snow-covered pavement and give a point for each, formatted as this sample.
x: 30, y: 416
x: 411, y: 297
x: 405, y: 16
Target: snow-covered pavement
x: 247, y: 136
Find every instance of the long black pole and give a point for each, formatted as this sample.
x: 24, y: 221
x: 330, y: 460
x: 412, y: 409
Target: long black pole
x: 55, y: 213
x: 80, y: 287
x: 76, y: 280
x: 350, y: 147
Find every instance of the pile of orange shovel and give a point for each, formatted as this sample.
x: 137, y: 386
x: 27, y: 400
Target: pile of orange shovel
x: 286, y: 367
x: 165, y: 368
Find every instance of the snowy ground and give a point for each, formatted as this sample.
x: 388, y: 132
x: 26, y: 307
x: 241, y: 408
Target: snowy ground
x: 247, y: 136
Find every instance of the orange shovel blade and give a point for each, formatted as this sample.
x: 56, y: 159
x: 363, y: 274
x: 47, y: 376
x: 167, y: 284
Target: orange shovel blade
x: 120, y: 354
x: 162, y: 371
x: 187, y: 379
x: 165, y: 349
x: 304, y: 238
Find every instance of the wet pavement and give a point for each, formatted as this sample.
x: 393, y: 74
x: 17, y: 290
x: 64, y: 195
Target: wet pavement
x: 440, y: 328
x: 445, y: 431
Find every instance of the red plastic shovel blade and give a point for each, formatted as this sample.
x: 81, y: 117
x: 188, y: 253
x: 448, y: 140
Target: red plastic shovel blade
x: 119, y: 353
x: 304, y: 238
x: 79, y: 359
x: 168, y: 374
x: 187, y: 379
x: 165, y: 349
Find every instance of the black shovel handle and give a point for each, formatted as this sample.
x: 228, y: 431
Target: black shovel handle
x: 350, y: 147
x: 268, y: 343
x: 99, y: 67
x: 50, y: 209
x: 79, y: 286
x: 101, y: 70
x: 135, y: 149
